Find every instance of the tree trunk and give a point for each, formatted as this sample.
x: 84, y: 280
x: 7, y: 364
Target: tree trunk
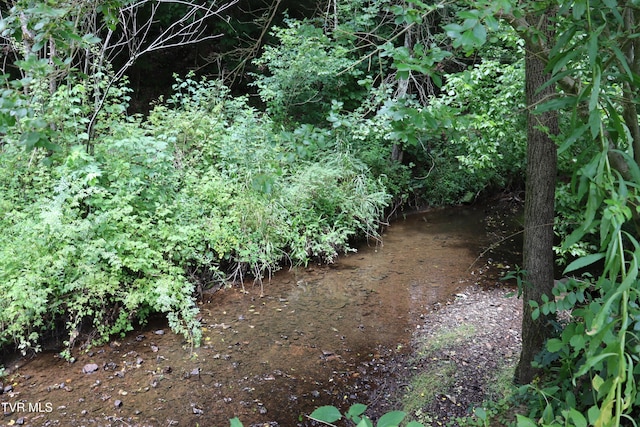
x: 539, y: 210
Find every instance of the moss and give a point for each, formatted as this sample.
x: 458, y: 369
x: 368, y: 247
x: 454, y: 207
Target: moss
x: 445, y: 339
x: 427, y: 386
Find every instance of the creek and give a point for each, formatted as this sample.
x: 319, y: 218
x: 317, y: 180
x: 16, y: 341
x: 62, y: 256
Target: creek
x: 320, y: 335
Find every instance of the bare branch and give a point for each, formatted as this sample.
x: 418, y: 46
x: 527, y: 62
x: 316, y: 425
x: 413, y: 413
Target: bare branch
x: 135, y: 40
x: 249, y: 48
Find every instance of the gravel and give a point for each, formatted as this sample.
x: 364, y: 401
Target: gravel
x: 477, y: 337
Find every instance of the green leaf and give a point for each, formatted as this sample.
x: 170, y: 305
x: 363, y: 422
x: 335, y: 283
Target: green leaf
x: 594, y: 122
x: 577, y: 342
x: 595, y: 89
x: 597, y: 382
x: 555, y: 104
x: 583, y: 262
x: 578, y: 419
x: 594, y: 414
x: 562, y: 42
x: 559, y: 62
x: 391, y: 419
x: 91, y: 39
x: 523, y: 421
x: 579, y: 8
x: 622, y: 60
x: 235, y: 422
x: 613, y: 7
x: 547, y: 414
x: 554, y: 345
x: 327, y: 414
x: 32, y: 139
x: 634, y: 169
x: 355, y: 411
x: 365, y: 422
x: 592, y: 48
x: 535, y: 314
x: 480, y: 32
x: 592, y: 361
x: 453, y: 30
x: 480, y: 413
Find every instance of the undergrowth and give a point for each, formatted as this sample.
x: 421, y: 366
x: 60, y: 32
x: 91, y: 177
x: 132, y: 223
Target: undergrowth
x: 97, y: 240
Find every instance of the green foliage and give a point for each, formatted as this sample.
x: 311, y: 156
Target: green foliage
x: 355, y: 415
x: 477, y: 21
x: 306, y: 71
x: 593, y: 363
x: 486, y: 103
x: 94, y: 235
x: 98, y: 241
x: 482, y: 140
x: 591, y: 368
x: 46, y: 39
x: 330, y: 414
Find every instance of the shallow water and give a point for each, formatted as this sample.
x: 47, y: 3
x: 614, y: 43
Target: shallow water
x: 319, y: 335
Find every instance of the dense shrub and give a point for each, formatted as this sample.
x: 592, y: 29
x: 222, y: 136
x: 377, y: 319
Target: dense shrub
x: 305, y: 72
x: 484, y: 142
x: 98, y: 241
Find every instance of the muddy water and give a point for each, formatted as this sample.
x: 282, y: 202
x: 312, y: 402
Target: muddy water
x: 319, y: 335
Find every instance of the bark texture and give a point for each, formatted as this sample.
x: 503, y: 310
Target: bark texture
x: 538, y: 259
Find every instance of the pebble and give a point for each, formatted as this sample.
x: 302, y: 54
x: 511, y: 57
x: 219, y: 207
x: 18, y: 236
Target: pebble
x: 89, y: 368
x: 117, y: 403
x: 159, y: 332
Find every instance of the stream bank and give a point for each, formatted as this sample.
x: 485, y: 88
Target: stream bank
x: 335, y: 334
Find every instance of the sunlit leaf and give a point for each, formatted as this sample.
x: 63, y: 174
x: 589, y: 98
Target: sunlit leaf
x: 391, y: 419
x: 327, y: 414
